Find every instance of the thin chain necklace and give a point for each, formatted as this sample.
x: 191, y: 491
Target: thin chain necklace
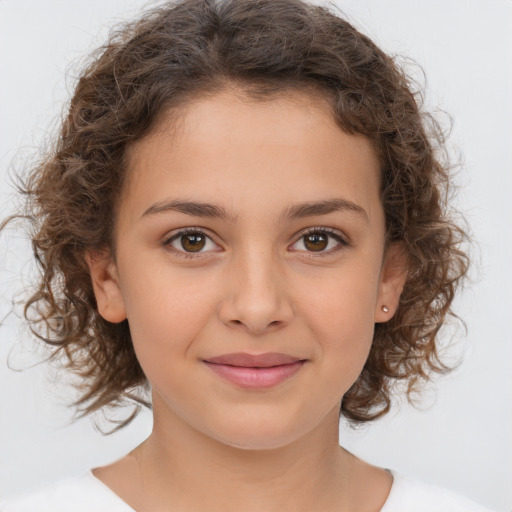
x: 147, y: 496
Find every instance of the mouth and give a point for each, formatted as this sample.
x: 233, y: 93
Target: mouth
x: 260, y: 371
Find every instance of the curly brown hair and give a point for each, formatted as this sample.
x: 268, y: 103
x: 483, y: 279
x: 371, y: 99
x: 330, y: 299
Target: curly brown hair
x: 160, y: 63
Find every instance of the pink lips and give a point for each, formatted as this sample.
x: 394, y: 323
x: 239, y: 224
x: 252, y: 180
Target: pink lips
x: 255, y: 371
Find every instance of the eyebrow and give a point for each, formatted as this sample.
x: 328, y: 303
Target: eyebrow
x: 323, y: 208
x: 195, y: 208
x: 299, y: 210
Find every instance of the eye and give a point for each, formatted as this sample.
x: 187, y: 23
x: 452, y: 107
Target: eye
x: 320, y: 240
x: 191, y: 241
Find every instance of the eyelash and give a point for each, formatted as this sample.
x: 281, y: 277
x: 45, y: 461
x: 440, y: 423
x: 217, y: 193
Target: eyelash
x: 188, y: 231
x: 331, y: 233
x: 342, y: 242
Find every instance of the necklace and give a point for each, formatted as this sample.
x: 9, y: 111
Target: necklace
x: 147, y: 497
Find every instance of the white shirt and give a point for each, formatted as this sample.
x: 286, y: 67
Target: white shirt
x: 86, y: 493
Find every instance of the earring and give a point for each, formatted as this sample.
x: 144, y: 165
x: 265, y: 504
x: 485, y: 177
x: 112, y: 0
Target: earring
x: 385, y: 309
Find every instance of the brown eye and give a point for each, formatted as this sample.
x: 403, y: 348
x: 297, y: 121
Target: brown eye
x: 320, y: 240
x: 193, y: 242
x: 316, y: 241
x: 190, y: 242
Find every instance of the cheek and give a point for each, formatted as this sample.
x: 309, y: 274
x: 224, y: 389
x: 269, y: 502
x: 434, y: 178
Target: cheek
x: 343, y: 301
x: 166, y: 315
x: 340, y: 316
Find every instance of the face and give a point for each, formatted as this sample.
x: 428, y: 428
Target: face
x: 250, y: 265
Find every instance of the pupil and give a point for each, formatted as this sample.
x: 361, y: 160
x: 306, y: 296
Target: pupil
x: 316, y: 242
x: 193, y: 242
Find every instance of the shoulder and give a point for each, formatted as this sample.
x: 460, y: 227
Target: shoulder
x: 84, y: 492
x: 411, y: 495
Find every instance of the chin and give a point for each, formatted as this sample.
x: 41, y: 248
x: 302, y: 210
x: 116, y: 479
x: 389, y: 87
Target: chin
x: 257, y: 434
x: 258, y: 442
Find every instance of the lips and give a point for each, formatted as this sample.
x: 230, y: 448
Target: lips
x: 254, y: 361
x: 255, y: 371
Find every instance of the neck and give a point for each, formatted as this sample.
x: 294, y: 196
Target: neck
x: 193, y: 471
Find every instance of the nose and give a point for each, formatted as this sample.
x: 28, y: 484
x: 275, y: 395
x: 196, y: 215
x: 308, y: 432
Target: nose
x: 255, y: 298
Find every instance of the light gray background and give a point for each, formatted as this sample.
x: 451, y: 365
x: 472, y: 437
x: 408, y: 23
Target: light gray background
x: 463, y: 438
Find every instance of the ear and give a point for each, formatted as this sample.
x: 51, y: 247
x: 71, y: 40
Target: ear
x: 392, y: 279
x: 105, y: 282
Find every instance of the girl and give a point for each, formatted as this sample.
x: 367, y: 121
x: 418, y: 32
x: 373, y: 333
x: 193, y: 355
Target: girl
x: 243, y: 217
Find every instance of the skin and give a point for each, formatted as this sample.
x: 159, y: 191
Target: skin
x: 254, y: 287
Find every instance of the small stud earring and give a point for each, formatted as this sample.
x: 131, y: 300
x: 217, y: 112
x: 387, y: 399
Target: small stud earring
x: 385, y: 309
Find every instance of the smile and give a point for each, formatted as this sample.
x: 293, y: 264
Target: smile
x: 256, y: 372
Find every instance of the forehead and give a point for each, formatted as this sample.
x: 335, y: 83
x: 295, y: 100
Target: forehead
x: 287, y: 148
x: 275, y: 120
